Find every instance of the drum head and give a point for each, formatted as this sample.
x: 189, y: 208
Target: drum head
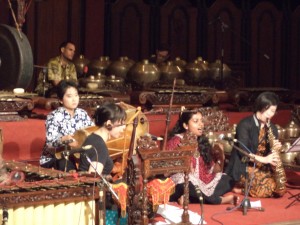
x: 16, y: 61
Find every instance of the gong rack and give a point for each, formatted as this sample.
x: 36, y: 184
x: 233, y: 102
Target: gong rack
x: 88, y: 101
x: 188, y: 96
x: 15, y: 107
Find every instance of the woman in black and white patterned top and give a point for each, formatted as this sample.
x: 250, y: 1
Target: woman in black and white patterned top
x: 62, y: 123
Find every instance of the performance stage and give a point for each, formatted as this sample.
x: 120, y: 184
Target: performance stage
x: 23, y: 141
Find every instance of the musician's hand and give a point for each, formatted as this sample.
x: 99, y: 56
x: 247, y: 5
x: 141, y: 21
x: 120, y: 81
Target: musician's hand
x: 272, y: 158
x: 74, y: 144
x: 108, y: 177
x: 66, y: 138
x: 70, y: 141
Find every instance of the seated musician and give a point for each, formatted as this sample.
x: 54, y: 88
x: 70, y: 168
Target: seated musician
x: 58, y: 68
x: 109, y: 119
x: 253, y: 137
x: 61, y: 124
x: 206, y: 165
x: 162, y: 54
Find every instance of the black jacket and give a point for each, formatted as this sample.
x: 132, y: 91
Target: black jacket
x: 247, y: 133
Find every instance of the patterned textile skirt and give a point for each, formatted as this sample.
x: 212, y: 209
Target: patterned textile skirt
x: 262, y: 182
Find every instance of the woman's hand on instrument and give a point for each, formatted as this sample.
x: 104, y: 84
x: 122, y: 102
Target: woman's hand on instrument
x: 69, y: 140
x: 272, y: 158
x: 66, y: 138
x: 74, y: 144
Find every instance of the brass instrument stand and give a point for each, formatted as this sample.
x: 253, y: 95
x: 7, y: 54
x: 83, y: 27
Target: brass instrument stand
x: 297, y: 198
x: 294, y: 148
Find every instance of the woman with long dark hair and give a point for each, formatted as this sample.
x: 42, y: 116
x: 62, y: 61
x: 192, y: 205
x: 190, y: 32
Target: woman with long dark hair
x: 206, y: 164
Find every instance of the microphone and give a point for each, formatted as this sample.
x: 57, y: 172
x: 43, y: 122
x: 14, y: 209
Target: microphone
x: 79, y: 150
x: 68, y: 141
x: 245, y: 152
x: 266, y: 56
x: 223, y: 137
x: 40, y: 67
x: 44, y: 70
x: 153, y: 137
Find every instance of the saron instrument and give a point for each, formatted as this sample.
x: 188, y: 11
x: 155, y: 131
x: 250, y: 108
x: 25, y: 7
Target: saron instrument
x: 46, y: 196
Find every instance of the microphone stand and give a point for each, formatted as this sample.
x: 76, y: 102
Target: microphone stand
x: 245, y: 204
x: 66, y: 157
x: 44, y: 81
x: 223, y: 27
x: 101, y: 195
x: 200, y: 196
x: 44, y: 73
x: 103, y: 179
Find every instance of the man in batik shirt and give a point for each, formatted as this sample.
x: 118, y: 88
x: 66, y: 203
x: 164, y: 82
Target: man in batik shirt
x: 58, y: 68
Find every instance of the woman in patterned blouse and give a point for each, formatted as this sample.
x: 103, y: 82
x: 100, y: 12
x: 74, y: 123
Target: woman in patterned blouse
x: 206, y: 175
x: 61, y: 124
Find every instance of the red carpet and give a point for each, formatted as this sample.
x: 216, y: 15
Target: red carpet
x: 275, y: 212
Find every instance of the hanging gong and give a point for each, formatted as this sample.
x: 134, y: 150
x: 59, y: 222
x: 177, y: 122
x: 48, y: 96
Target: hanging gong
x: 16, y: 61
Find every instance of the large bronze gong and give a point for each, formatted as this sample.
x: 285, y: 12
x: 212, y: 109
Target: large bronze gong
x: 16, y: 61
